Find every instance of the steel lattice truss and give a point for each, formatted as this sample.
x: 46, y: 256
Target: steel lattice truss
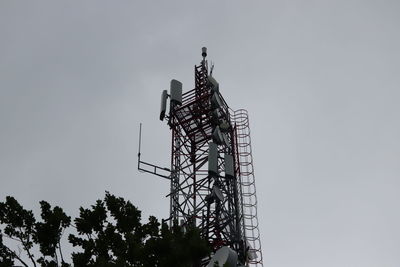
x: 221, y: 203
x: 192, y: 187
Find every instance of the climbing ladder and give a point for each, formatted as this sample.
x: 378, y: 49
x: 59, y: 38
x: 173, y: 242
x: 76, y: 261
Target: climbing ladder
x: 248, y: 188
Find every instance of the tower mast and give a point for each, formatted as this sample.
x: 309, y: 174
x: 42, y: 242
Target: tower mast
x: 211, y: 176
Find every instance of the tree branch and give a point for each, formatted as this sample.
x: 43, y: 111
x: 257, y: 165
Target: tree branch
x: 16, y: 256
x: 27, y: 249
x: 55, y: 256
x: 12, y: 238
x: 29, y: 254
x: 61, y: 255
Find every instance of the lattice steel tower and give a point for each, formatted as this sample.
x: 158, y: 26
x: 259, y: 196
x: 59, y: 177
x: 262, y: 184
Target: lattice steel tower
x: 211, y: 174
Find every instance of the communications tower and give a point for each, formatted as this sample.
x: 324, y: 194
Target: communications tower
x: 212, y: 183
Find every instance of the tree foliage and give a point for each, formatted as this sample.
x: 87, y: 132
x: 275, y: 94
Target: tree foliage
x: 109, y: 233
x: 20, y: 225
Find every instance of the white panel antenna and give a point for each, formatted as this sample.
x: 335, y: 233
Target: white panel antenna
x: 216, y: 101
x: 229, y: 166
x: 213, y: 159
x: 217, y: 136
x: 176, y: 92
x: 224, y: 256
x: 214, y: 83
x: 163, y: 108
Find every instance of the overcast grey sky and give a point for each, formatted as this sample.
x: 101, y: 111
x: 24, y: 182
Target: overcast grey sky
x: 320, y: 80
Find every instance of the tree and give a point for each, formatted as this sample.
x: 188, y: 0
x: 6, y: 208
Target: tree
x: 6, y: 255
x: 109, y: 233
x: 20, y: 225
